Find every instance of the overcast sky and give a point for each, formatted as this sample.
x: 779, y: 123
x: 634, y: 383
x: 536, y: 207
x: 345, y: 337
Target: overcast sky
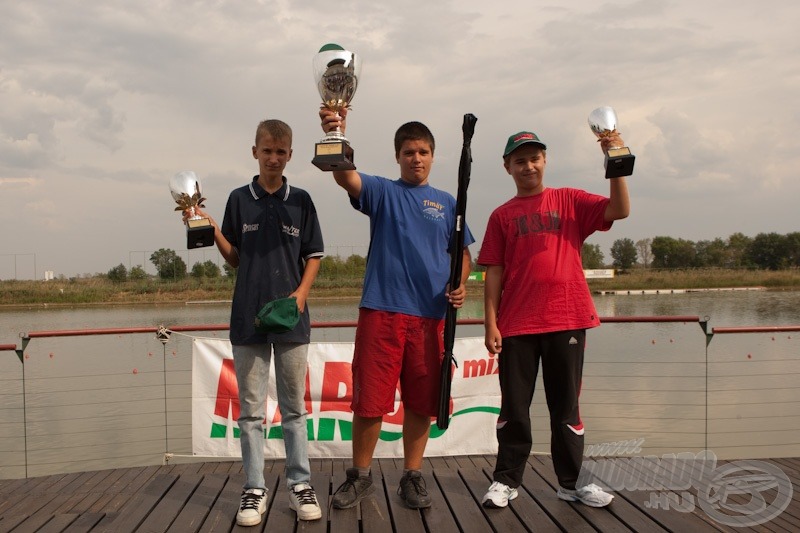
x: 102, y: 102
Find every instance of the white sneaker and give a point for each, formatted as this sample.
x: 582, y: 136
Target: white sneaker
x: 254, y: 503
x: 498, y: 496
x: 590, y: 495
x: 304, y: 502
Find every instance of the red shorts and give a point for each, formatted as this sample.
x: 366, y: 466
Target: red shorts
x: 391, y: 347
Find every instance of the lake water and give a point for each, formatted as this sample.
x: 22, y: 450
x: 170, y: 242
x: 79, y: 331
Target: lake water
x: 666, y: 383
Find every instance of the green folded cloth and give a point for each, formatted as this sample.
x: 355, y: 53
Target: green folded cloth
x: 278, y: 316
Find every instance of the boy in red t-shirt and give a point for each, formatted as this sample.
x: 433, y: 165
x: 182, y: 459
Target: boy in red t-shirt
x: 538, y: 307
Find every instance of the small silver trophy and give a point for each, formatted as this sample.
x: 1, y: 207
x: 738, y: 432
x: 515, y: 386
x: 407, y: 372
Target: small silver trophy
x: 336, y: 72
x: 186, y: 191
x: 619, y: 159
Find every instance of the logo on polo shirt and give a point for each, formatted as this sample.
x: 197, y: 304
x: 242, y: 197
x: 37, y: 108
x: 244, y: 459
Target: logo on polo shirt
x: 249, y: 227
x: 290, y: 230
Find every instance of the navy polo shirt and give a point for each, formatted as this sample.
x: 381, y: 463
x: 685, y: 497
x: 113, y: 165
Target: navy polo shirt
x: 274, y: 235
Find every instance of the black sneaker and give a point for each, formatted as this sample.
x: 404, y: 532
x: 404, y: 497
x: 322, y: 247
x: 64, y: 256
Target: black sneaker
x: 413, y: 491
x: 353, y: 490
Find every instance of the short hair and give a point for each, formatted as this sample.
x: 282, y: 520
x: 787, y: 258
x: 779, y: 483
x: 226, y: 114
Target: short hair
x: 277, y: 129
x: 412, y: 131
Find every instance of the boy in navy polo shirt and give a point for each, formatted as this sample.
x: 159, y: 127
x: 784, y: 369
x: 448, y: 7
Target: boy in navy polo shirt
x: 401, y: 316
x: 271, y: 233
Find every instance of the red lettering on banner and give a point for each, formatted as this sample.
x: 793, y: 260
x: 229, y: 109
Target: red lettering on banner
x: 227, y: 392
x: 335, y: 375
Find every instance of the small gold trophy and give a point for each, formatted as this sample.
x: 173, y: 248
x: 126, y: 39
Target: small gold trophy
x: 185, y: 189
x: 619, y: 159
x: 336, y: 73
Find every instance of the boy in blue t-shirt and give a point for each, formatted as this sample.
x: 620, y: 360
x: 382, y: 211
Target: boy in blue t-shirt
x: 401, y: 316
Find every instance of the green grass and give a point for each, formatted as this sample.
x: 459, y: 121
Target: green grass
x: 99, y: 290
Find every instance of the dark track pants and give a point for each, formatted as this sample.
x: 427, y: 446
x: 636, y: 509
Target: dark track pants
x: 561, y: 354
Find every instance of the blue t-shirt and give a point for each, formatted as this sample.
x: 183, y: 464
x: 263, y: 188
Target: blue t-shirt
x: 274, y: 234
x: 408, y: 264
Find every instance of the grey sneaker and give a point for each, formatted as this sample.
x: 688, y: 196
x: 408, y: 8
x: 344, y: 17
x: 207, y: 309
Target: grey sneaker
x: 590, y: 495
x: 353, y: 490
x: 253, y: 505
x: 413, y: 491
x: 498, y: 496
x: 303, y: 501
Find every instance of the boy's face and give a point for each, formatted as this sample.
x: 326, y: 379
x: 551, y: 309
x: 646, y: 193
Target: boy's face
x: 526, y: 165
x: 415, y: 160
x: 272, y: 155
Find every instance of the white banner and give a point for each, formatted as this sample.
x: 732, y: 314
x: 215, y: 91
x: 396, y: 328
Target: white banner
x: 215, y: 404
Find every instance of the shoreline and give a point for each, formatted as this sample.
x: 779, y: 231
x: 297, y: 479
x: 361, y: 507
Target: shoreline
x: 475, y: 293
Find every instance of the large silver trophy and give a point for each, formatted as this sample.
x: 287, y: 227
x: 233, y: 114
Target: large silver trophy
x: 186, y: 191
x: 336, y: 72
x: 619, y: 159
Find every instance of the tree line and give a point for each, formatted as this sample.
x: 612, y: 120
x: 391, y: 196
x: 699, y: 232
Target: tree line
x: 171, y: 266
x: 768, y: 251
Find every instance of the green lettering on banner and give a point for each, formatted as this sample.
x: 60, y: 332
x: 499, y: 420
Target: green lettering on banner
x: 326, y: 429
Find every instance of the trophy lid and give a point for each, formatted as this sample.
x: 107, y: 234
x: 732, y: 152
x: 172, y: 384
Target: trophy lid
x: 336, y: 73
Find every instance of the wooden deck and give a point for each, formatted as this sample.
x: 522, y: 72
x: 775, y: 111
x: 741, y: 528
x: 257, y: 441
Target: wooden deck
x: 205, y: 496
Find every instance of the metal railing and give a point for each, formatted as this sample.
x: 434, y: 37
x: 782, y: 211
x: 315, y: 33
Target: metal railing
x: 124, y: 399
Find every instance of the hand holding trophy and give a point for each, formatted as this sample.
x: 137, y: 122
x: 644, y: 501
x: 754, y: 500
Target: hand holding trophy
x: 336, y: 72
x: 185, y: 189
x: 619, y: 159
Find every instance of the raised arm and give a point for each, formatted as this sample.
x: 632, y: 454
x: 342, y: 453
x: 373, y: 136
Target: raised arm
x: 620, y: 205
x: 349, y: 180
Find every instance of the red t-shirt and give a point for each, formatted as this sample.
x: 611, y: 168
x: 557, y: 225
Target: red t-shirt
x: 538, y: 240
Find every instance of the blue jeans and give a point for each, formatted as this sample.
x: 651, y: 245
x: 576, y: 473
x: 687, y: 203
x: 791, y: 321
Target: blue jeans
x: 252, y: 373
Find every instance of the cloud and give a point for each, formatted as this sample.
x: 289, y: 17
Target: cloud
x: 101, y: 103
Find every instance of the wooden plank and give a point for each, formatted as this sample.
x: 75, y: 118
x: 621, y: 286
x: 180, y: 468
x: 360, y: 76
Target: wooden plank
x: 85, y: 503
x: 559, y: 511
x: 279, y: 515
x: 600, y: 517
x: 58, y: 523
x: 84, y: 523
x: 38, y: 519
x: 525, y: 507
x: 9, y: 522
x: 438, y: 518
x: 93, y: 482
x: 624, y: 511
x: 171, y: 503
x: 29, y: 505
x: 271, y: 480
x: 321, y: 482
x: 222, y: 515
x: 466, y: 512
x: 104, y: 484
x: 404, y: 519
x: 134, y: 512
x: 669, y: 519
x: 500, y: 519
x: 346, y: 520
x: 196, y: 509
x: 117, y: 500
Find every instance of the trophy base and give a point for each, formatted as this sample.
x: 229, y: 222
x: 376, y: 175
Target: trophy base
x: 337, y: 155
x: 619, y: 163
x: 199, y: 233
